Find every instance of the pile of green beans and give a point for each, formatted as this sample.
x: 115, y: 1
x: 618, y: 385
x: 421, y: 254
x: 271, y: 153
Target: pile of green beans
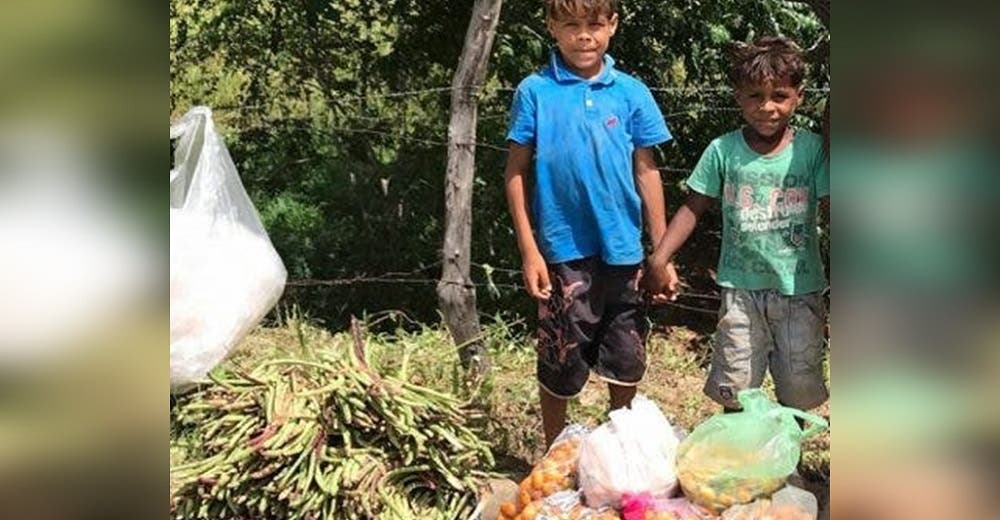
x: 323, y: 436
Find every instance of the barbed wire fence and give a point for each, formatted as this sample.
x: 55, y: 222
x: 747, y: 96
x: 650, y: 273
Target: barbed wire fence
x: 413, y: 277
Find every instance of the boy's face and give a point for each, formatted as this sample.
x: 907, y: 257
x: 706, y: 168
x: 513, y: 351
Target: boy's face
x: 767, y: 107
x: 582, y: 41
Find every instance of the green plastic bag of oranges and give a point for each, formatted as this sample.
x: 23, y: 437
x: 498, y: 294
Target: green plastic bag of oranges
x: 739, y: 457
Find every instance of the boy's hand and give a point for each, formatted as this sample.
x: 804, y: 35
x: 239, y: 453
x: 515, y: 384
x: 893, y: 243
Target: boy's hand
x: 662, y: 284
x: 536, y: 277
x: 671, y: 288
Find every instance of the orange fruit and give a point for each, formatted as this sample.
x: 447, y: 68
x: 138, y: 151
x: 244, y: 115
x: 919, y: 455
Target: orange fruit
x: 537, y: 479
x: 508, y: 509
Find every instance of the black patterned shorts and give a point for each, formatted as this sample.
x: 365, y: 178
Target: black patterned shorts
x: 594, y: 320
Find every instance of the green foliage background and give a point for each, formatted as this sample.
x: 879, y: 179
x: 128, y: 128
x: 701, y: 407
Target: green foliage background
x: 336, y: 114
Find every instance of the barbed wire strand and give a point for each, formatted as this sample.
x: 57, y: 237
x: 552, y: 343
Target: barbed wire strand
x: 478, y: 144
x: 401, y: 137
x: 349, y: 96
x: 406, y: 278
x: 310, y: 282
x: 519, y: 272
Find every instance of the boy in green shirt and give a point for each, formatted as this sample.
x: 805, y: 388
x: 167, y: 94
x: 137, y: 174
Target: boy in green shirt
x: 770, y: 178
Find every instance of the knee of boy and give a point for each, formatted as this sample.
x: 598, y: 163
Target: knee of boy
x: 722, y: 394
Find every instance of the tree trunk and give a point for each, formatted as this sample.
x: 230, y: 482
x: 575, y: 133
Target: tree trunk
x: 456, y: 293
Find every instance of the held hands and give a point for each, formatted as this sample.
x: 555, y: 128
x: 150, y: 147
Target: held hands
x: 660, y: 282
x: 536, y: 277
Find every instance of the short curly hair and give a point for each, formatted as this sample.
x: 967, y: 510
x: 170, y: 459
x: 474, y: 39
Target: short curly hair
x: 767, y: 59
x: 558, y: 9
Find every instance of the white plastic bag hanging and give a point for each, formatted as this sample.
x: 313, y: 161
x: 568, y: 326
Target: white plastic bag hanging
x: 631, y: 453
x: 224, y: 272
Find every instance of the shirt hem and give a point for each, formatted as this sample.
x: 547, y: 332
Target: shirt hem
x: 522, y: 142
x: 616, y: 261
x: 654, y: 142
x: 702, y: 190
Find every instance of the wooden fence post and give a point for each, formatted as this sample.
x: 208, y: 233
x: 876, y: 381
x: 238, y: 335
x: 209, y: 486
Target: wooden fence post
x: 456, y: 293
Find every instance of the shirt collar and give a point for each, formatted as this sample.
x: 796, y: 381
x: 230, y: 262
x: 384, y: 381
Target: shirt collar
x: 562, y: 72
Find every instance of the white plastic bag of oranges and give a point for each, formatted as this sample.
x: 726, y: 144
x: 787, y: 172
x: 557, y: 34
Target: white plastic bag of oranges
x: 555, y: 472
x: 631, y: 453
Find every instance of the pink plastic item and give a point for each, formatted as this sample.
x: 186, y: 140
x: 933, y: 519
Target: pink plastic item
x: 635, y: 507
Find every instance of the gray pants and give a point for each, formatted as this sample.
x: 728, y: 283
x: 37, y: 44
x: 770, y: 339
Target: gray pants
x: 765, y: 330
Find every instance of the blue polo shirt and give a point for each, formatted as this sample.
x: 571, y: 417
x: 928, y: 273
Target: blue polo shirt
x: 585, y: 202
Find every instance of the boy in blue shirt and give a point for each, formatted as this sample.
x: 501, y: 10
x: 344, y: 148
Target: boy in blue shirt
x: 770, y: 178
x: 589, y: 130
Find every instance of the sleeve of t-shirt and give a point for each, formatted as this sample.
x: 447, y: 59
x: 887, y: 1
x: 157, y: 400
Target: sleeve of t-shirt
x: 822, y: 174
x: 647, y: 125
x: 707, y: 175
x: 522, y: 117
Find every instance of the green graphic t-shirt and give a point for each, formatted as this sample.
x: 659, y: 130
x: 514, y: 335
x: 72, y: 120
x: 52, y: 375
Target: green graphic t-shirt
x: 769, y: 203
